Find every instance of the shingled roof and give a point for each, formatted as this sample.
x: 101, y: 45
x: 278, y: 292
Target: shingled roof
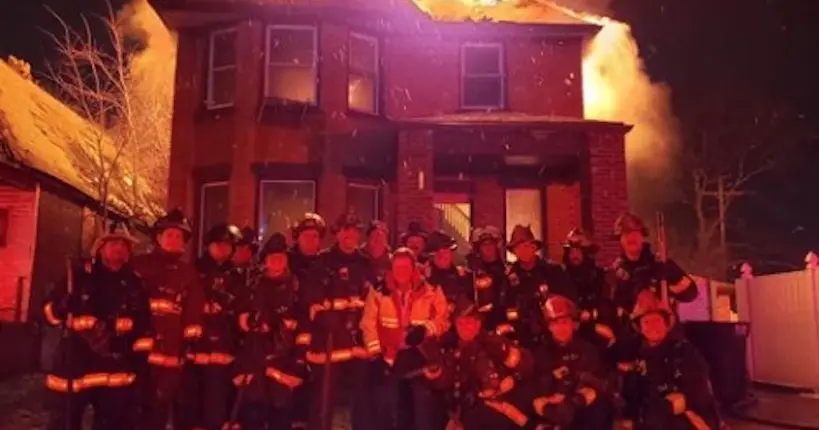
x: 41, y: 133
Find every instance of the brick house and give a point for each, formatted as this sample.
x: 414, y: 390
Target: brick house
x: 283, y: 107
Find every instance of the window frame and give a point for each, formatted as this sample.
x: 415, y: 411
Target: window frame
x: 268, y: 63
x: 377, y: 197
x: 507, y: 229
x: 260, y: 206
x: 376, y: 71
x: 201, y: 216
x: 209, y: 102
x: 501, y: 75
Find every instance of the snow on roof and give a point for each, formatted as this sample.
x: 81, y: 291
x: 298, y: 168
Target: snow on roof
x: 511, y: 11
x: 504, y: 119
x: 46, y: 135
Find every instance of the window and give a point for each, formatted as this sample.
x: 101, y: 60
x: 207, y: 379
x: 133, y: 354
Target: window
x: 213, y: 207
x: 221, y: 69
x: 524, y: 207
x: 362, y: 83
x: 483, y: 81
x: 291, y: 64
x: 283, y: 203
x: 363, y: 199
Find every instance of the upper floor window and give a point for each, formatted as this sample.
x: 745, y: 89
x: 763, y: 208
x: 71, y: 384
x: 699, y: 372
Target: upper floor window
x: 482, y: 76
x: 221, y: 68
x: 291, y: 63
x: 362, y: 84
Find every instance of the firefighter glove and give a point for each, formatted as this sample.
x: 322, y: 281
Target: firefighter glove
x: 677, y: 401
x: 415, y: 335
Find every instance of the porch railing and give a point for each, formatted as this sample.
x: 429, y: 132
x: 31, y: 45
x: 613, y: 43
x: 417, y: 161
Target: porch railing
x: 454, y: 222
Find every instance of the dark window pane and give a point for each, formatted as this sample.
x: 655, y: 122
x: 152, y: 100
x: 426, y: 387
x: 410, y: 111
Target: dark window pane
x: 296, y: 84
x: 364, y: 200
x: 363, y: 54
x: 483, y: 92
x: 223, y: 87
x: 291, y: 46
x: 214, y: 207
x: 224, y: 49
x: 361, y: 94
x: 284, y: 203
x: 481, y: 60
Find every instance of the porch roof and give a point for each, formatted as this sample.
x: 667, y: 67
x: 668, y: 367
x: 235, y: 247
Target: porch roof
x: 505, y: 120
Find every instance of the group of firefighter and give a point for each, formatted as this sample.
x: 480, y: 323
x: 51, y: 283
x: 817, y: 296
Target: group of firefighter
x: 284, y: 335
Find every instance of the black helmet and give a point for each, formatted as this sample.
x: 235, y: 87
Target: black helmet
x: 249, y: 238
x: 577, y: 238
x: 378, y: 225
x: 276, y: 244
x: 173, y: 219
x: 627, y: 223
x: 439, y: 240
x: 414, y: 229
x: 223, y: 233
x: 349, y: 219
x: 309, y: 221
x: 523, y: 234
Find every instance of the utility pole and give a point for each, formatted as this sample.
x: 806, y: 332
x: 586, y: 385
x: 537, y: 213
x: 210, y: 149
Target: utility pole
x: 721, y: 196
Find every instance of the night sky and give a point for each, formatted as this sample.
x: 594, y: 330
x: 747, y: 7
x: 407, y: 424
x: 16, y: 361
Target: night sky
x: 699, y: 47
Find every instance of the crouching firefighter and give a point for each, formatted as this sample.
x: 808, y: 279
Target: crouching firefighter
x: 207, y: 371
x: 105, y: 315
x: 572, y: 386
x: 482, y: 374
x: 399, y: 314
x: 177, y: 301
x: 269, y: 366
x: 676, y: 391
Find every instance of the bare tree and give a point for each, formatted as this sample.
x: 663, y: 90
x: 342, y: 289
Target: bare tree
x: 732, y: 138
x: 124, y: 155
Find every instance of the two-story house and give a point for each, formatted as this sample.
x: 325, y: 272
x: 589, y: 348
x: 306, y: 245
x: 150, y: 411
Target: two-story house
x: 283, y: 107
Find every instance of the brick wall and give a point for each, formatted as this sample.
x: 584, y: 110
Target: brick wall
x: 563, y: 213
x: 16, y: 257
x: 183, y: 133
x: 607, y: 188
x: 489, y: 203
x: 414, y: 180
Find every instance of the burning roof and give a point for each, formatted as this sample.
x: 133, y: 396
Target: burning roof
x: 511, y: 11
x: 45, y: 135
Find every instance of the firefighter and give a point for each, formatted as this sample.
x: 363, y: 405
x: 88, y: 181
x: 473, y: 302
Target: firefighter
x: 398, y: 316
x: 597, y: 314
x: 307, y: 234
x: 482, y: 375
x: 677, y: 392
x: 531, y: 281
x: 207, y: 371
x: 572, y: 387
x: 246, y: 249
x: 177, y: 302
x: 490, y: 274
x: 335, y: 292
x: 454, y: 280
x: 376, y: 247
x: 269, y: 367
x: 415, y: 238
x: 638, y: 269
x: 104, y: 310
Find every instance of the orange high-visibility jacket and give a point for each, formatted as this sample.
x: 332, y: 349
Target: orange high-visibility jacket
x: 383, y: 328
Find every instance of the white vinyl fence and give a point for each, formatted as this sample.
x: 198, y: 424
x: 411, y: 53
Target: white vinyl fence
x: 783, y: 312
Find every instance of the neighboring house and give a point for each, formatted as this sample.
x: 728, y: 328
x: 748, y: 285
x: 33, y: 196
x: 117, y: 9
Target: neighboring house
x: 45, y: 200
x: 283, y: 107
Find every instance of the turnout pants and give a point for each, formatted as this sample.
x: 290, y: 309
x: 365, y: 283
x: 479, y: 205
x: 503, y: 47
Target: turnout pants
x: 160, y: 398
x: 207, y: 390
x: 345, y: 381
x: 113, y: 408
x: 403, y: 404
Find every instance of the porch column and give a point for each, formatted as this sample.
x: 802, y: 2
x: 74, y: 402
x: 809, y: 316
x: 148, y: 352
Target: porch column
x: 563, y: 213
x: 414, y: 179
x: 332, y: 185
x: 242, y: 183
x: 183, y: 136
x: 489, y: 203
x: 605, y: 186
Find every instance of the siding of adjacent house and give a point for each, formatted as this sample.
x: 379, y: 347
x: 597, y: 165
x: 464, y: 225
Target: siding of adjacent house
x: 17, y: 255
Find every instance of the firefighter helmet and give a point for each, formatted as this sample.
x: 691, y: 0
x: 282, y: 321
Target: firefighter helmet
x: 523, y: 234
x: 275, y: 244
x: 223, y: 233
x: 173, y: 219
x: 648, y: 303
x: 403, y: 252
x: 249, y: 238
x: 488, y: 233
x: 310, y: 221
x: 378, y: 225
x: 414, y: 229
x: 115, y: 231
x: 577, y: 239
x: 439, y: 240
x: 347, y: 220
x: 628, y: 222
x: 558, y: 307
